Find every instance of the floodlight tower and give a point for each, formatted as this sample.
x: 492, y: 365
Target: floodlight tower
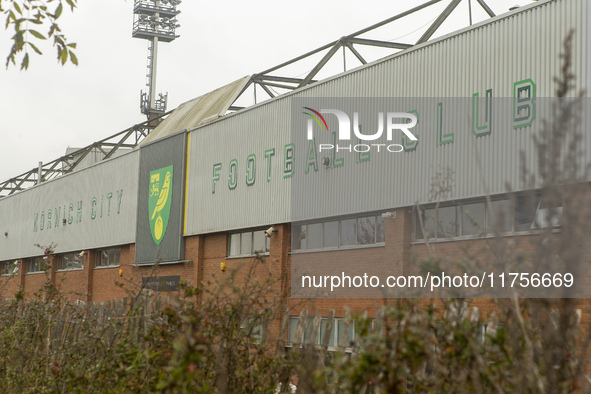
x: 154, y: 20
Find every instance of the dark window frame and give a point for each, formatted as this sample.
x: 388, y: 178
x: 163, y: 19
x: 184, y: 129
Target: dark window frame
x: 531, y: 216
x: 300, y: 244
x: 99, y: 257
x: 252, y: 251
x: 71, y: 261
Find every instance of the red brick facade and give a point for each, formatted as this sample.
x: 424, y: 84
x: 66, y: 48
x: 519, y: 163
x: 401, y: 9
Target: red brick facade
x: 205, y: 253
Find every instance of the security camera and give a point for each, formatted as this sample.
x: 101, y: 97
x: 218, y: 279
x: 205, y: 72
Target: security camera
x: 81, y: 254
x: 269, y: 232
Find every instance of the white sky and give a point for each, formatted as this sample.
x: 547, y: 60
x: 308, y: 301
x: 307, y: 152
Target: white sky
x: 50, y: 107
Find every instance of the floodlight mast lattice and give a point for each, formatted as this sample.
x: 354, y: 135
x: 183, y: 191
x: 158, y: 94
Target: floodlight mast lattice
x: 154, y: 20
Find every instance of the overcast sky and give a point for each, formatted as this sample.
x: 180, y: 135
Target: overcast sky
x: 51, y: 107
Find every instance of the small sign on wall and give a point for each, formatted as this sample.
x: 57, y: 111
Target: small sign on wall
x: 161, y: 283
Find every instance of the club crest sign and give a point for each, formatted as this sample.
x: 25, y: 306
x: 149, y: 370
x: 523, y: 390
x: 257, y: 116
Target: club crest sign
x: 159, y: 202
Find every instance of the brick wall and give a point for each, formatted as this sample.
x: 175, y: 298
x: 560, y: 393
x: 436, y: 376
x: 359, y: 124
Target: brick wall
x: 399, y: 256
x: 10, y: 284
x: 391, y: 259
x: 34, y: 282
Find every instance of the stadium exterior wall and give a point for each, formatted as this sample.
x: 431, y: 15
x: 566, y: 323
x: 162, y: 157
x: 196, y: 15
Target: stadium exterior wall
x: 495, y: 55
x: 524, y: 45
x: 98, y: 205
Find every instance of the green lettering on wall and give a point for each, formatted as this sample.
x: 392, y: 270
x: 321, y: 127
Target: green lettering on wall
x: 79, y: 212
x: 42, y: 221
x: 524, y: 105
x: 268, y: 154
x: 119, y: 197
x: 288, y: 160
x: 233, y: 174
x: 311, y: 156
x: 70, y: 210
x: 109, y: 195
x: 217, y: 167
x: 58, y: 216
x: 442, y: 139
x: 334, y: 162
x: 92, y: 212
x: 48, y: 219
x: 251, y: 169
x: 360, y: 157
x: 485, y: 129
x: 36, y: 219
x: 408, y: 144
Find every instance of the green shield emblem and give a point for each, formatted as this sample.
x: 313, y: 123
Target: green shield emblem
x: 159, y: 202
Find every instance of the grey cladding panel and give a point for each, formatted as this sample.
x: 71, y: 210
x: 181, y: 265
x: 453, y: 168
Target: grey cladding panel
x: 98, y: 204
x: 159, y: 161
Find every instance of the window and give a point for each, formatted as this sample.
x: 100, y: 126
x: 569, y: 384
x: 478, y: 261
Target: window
x: 447, y: 223
x: 330, y: 234
x: 70, y: 261
x: 108, y: 257
x: 247, y: 243
x: 366, y: 230
x: 334, y: 234
x: 549, y: 212
x: 9, y: 267
x: 338, y: 332
x: 438, y: 223
x: 314, y: 235
x: 348, y: 236
x: 429, y: 220
x: 36, y: 264
x: 525, y: 212
x: 344, y: 334
x: 473, y: 218
x: 499, y: 216
x: 252, y: 330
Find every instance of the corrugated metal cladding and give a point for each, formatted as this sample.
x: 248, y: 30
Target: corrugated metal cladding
x: 213, y: 205
x: 436, y: 171
x: 525, y: 44
x: 98, y: 203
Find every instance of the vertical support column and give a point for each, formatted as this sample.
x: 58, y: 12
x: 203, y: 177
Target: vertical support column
x: 200, y: 259
x: 89, y: 259
x: 22, y: 270
x: 279, y: 256
x: 398, y: 239
x: 154, y: 64
x: 280, y: 267
x: 52, y: 269
x: 126, y: 263
x: 194, y: 251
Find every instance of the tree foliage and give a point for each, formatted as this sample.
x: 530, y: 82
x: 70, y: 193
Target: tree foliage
x: 33, y: 22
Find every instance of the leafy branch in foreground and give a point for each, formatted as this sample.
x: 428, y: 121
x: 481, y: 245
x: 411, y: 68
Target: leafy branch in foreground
x: 28, y: 19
